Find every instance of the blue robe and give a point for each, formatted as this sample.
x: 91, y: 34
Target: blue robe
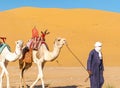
x: 95, y: 65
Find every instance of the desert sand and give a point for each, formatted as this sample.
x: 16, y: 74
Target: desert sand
x: 62, y: 77
x: 81, y: 28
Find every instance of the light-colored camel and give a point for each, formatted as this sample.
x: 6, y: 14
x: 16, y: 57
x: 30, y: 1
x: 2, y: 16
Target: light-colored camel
x: 8, y: 56
x: 44, y: 56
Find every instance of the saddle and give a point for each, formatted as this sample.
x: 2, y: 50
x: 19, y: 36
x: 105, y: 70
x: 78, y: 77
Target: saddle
x: 34, y: 44
x: 27, y: 54
x: 2, y: 46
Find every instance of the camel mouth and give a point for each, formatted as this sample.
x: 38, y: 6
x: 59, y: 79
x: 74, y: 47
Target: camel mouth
x: 64, y: 42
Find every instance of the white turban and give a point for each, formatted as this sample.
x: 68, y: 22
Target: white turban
x: 97, y: 44
x: 98, y: 48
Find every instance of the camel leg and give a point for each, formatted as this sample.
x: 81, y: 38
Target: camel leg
x: 21, y: 80
x: 21, y: 65
x: 1, y: 76
x: 35, y: 82
x: 7, y: 76
x: 40, y: 76
x: 6, y: 73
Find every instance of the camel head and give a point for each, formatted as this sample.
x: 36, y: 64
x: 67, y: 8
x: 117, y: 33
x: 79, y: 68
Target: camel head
x: 19, y: 43
x: 59, y: 42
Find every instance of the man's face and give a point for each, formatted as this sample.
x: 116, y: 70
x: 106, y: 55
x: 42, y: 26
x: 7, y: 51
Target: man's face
x: 98, y: 48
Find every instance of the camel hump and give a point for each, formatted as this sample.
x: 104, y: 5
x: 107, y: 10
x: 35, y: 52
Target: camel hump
x: 2, y: 46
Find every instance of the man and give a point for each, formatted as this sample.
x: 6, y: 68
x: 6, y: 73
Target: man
x: 95, y: 66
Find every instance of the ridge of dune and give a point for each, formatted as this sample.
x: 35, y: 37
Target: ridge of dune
x: 80, y: 27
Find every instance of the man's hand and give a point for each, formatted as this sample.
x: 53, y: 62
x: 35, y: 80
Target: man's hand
x: 89, y: 72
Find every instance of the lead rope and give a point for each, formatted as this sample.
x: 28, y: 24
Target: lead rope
x: 77, y: 60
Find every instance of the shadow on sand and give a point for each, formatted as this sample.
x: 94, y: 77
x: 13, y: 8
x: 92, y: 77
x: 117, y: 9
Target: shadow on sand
x: 48, y: 86
x: 39, y: 86
x: 71, y: 86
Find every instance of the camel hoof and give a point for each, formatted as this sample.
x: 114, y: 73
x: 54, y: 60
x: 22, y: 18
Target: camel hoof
x: 25, y: 86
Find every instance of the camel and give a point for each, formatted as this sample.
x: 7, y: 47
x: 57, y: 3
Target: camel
x: 41, y: 56
x: 8, y: 56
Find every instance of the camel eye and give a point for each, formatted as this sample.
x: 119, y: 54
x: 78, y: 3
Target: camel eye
x: 58, y: 39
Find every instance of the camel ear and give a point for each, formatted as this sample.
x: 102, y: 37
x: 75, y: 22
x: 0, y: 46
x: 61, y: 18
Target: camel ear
x: 15, y: 42
x: 46, y: 32
x: 41, y: 32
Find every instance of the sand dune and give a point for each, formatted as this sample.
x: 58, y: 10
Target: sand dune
x: 80, y: 27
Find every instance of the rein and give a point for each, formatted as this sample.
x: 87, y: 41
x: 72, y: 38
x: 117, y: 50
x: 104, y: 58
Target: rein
x: 75, y: 57
x: 78, y: 61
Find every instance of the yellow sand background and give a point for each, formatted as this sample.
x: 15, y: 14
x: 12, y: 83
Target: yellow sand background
x: 81, y: 28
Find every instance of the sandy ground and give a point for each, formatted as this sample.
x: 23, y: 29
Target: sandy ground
x: 62, y: 77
